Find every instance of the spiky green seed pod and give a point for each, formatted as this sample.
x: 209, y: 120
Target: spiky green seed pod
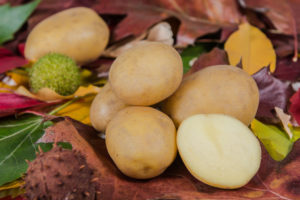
x: 57, y: 72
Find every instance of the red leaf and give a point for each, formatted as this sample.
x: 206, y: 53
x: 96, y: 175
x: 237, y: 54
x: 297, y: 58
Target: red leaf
x: 214, y: 57
x: 294, y: 108
x: 274, y: 180
x: 272, y: 92
x: 287, y: 69
x: 10, y: 198
x: 11, y: 103
x: 9, y: 61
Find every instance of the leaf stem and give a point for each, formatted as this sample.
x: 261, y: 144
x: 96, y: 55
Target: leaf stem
x: 56, y: 110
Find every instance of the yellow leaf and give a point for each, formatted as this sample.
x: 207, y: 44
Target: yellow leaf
x: 11, y: 81
x: 15, y: 184
x: 251, y: 46
x: 19, y: 79
x: 46, y: 94
x: 82, y: 90
x: 80, y: 110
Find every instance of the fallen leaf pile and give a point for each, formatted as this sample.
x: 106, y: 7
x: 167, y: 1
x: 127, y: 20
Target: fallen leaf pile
x: 259, y: 36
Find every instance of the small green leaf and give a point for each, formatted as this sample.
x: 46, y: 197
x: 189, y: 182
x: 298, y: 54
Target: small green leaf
x: 48, y: 146
x: 274, y: 139
x: 17, y: 144
x: 189, y: 54
x: 12, y: 19
x: 193, y: 52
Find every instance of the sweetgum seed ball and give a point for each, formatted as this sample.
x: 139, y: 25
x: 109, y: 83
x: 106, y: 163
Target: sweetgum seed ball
x: 57, y: 72
x: 220, y: 89
x: 146, y: 74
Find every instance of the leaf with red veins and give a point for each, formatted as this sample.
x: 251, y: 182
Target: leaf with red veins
x: 12, y: 103
x: 9, y: 61
x: 274, y: 180
x: 272, y: 93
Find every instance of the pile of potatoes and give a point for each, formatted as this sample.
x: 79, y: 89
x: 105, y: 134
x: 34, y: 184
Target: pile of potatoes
x: 148, y: 113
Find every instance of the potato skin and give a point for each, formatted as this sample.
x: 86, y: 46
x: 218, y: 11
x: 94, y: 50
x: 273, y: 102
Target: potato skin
x: 76, y: 32
x: 146, y: 74
x: 141, y: 141
x: 220, y: 89
x: 104, y: 106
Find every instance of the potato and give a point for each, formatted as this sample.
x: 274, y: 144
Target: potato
x: 146, y: 74
x: 217, y: 89
x: 141, y: 141
x: 104, y: 106
x: 219, y: 150
x: 79, y: 33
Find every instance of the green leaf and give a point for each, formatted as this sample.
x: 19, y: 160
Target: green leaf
x: 296, y: 133
x: 48, y: 146
x: 274, y: 139
x: 192, y: 52
x: 17, y: 144
x: 12, y: 18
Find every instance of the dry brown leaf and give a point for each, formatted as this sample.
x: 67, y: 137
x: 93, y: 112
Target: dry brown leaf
x: 275, y: 180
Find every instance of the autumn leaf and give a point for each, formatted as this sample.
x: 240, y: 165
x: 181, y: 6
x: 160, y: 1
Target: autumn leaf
x: 49, y: 95
x: 275, y: 140
x: 11, y: 103
x: 287, y: 69
x: 273, y: 92
x: 8, y: 60
x: 191, y: 53
x: 215, y: 57
x: 275, y: 180
x: 14, y: 184
x: 251, y: 46
x: 294, y: 108
x: 282, y: 14
x: 80, y: 110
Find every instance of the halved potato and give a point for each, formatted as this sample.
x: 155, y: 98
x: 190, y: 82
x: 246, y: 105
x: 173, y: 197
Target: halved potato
x: 219, y: 150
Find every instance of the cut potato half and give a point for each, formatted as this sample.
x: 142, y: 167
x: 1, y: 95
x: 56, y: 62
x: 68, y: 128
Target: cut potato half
x: 219, y: 150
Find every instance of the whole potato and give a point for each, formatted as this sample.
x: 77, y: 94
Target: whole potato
x: 104, y: 106
x: 79, y: 33
x: 146, y: 74
x: 220, y: 89
x: 141, y: 141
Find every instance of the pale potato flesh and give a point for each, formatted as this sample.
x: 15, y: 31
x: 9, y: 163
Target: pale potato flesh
x: 141, y: 141
x: 79, y: 33
x: 104, y: 107
x: 219, y: 150
x: 146, y: 74
x: 219, y: 89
